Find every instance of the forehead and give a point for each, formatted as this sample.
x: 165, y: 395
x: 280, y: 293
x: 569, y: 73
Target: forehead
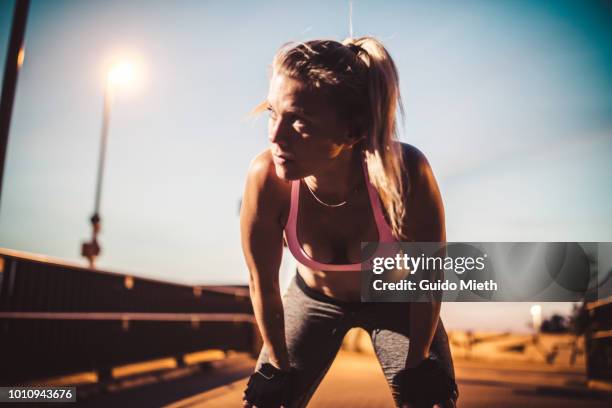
x: 290, y: 94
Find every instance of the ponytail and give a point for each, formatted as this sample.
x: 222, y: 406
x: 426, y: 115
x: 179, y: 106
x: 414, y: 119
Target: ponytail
x: 382, y: 148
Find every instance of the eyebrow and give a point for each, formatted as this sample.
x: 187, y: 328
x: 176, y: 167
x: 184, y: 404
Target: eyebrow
x: 299, y: 111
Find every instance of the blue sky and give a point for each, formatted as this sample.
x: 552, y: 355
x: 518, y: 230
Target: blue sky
x: 510, y: 100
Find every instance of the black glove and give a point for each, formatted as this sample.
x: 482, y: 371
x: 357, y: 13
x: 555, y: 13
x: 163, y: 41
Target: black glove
x: 426, y: 384
x: 268, y: 387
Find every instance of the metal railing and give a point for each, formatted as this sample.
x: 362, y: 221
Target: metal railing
x: 57, y: 318
x: 599, y: 342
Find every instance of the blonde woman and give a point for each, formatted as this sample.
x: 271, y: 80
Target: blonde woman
x: 335, y: 176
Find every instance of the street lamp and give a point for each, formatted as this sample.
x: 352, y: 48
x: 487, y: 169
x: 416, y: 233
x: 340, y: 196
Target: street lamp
x: 536, y: 317
x: 120, y: 74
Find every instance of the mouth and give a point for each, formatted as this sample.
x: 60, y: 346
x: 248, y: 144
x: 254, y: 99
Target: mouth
x: 282, y: 158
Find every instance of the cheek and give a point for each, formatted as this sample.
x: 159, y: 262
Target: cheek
x: 315, y: 147
x: 326, y: 150
x: 316, y: 156
x: 316, y: 150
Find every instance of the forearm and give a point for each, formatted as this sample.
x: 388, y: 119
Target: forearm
x: 423, y: 322
x: 424, y: 316
x: 268, y: 309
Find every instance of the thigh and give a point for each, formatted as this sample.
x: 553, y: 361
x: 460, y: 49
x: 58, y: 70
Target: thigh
x: 391, y: 343
x: 313, y: 331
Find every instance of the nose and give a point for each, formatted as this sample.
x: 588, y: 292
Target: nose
x: 278, y: 132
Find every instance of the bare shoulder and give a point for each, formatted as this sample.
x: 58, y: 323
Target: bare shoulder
x: 419, y: 172
x: 263, y: 174
x: 411, y: 153
x: 261, y: 168
x: 265, y: 191
x: 424, y: 221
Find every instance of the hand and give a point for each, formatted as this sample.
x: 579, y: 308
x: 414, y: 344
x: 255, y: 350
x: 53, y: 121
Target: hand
x: 426, y: 385
x: 268, y: 387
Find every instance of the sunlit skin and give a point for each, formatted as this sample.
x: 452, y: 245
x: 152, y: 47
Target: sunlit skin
x: 309, y: 140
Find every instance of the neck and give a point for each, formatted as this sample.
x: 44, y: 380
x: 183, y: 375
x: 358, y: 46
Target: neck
x: 340, y: 179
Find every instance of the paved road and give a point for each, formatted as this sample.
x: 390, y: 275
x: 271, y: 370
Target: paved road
x: 356, y: 380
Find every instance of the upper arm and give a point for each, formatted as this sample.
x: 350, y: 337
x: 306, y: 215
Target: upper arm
x: 424, y: 218
x: 260, y: 228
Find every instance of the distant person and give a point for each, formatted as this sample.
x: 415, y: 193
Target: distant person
x: 334, y: 176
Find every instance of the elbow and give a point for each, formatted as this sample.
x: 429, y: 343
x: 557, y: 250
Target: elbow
x: 263, y: 286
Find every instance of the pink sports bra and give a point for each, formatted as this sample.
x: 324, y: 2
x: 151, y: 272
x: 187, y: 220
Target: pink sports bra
x: 384, y: 231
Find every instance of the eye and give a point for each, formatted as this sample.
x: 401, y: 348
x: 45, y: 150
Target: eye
x: 300, y: 121
x: 300, y: 125
x: 271, y: 112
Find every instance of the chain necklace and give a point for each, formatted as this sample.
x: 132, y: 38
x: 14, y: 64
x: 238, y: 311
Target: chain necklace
x: 323, y: 202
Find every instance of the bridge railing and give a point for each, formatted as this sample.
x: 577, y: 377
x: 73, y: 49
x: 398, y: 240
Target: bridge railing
x: 57, y: 318
x: 599, y: 343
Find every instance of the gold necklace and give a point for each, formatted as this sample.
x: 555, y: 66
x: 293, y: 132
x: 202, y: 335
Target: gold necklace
x: 321, y: 201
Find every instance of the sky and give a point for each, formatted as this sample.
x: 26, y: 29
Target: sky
x: 510, y: 101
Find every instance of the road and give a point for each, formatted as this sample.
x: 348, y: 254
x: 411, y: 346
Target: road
x: 355, y: 380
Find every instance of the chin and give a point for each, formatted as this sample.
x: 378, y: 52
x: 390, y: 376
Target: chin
x: 286, y: 172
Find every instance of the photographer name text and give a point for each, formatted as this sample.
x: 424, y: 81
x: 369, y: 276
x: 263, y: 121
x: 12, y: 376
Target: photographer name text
x: 405, y: 284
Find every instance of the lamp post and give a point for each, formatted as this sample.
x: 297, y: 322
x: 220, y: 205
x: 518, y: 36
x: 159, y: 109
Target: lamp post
x: 536, y: 319
x: 121, y: 73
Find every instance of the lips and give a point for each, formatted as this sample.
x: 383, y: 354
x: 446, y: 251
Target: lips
x: 283, y: 156
x: 280, y: 160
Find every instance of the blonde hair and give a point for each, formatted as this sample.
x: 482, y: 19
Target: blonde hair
x: 362, y: 81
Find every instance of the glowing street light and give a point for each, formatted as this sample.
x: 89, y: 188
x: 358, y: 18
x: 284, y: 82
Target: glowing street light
x: 120, y: 74
x: 536, y: 316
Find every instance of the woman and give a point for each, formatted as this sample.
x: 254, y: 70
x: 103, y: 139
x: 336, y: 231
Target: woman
x: 335, y: 176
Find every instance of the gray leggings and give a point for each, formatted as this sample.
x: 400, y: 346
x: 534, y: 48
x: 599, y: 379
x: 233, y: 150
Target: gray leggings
x: 315, y: 325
